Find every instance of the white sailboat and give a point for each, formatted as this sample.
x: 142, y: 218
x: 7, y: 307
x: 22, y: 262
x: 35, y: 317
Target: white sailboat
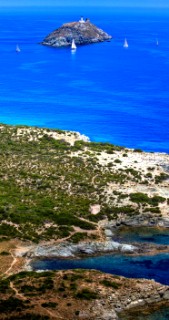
x: 125, y: 45
x: 157, y: 43
x: 73, y: 46
x: 17, y: 48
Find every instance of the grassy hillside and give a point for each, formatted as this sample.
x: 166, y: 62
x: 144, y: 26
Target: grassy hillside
x: 49, y: 181
x: 72, y: 295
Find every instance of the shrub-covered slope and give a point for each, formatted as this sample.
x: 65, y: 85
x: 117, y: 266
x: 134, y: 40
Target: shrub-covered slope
x: 55, y: 184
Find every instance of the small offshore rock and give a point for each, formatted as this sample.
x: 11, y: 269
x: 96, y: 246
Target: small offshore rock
x: 82, y: 32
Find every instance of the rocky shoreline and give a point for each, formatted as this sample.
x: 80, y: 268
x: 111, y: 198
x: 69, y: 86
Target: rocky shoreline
x: 136, y: 296
x: 150, y: 297
x: 143, y: 310
x: 66, y: 249
x: 89, y: 294
x: 143, y: 220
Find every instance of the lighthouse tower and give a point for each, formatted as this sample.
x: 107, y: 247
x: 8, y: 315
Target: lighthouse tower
x: 82, y: 20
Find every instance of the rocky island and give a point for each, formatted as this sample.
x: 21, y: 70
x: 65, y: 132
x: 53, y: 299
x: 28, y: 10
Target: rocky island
x: 64, y: 196
x: 83, y: 32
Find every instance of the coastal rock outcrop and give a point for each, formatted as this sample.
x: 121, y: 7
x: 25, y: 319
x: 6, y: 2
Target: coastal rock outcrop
x: 83, y: 32
x: 66, y: 249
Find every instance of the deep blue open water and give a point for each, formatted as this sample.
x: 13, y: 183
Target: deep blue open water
x: 104, y: 91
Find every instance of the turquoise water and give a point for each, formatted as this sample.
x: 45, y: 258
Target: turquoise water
x: 104, y: 91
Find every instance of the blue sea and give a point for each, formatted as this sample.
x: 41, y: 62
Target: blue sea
x: 105, y: 91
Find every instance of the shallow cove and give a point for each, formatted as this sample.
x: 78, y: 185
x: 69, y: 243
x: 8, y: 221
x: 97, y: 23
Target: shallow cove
x: 149, y: 267
x: 143, y: 234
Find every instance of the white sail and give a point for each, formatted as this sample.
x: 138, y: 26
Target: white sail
x: 73, y: 46
x: 157, y: 43
x: 17, y: 48
x: 125, y: 45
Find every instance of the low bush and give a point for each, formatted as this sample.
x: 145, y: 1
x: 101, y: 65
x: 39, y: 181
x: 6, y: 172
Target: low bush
x: 111, y: 284
x: 86, y: 294
x: 49, y: 304
x: 11, y: 304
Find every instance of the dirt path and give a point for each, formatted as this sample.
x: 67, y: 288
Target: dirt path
x: 86, y: 220
x: 54, y: 315
x: 23, y: 298
x: 93, y: 179
x: 7, y: 272
x: 100, y: 231
x: 17, y: 294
